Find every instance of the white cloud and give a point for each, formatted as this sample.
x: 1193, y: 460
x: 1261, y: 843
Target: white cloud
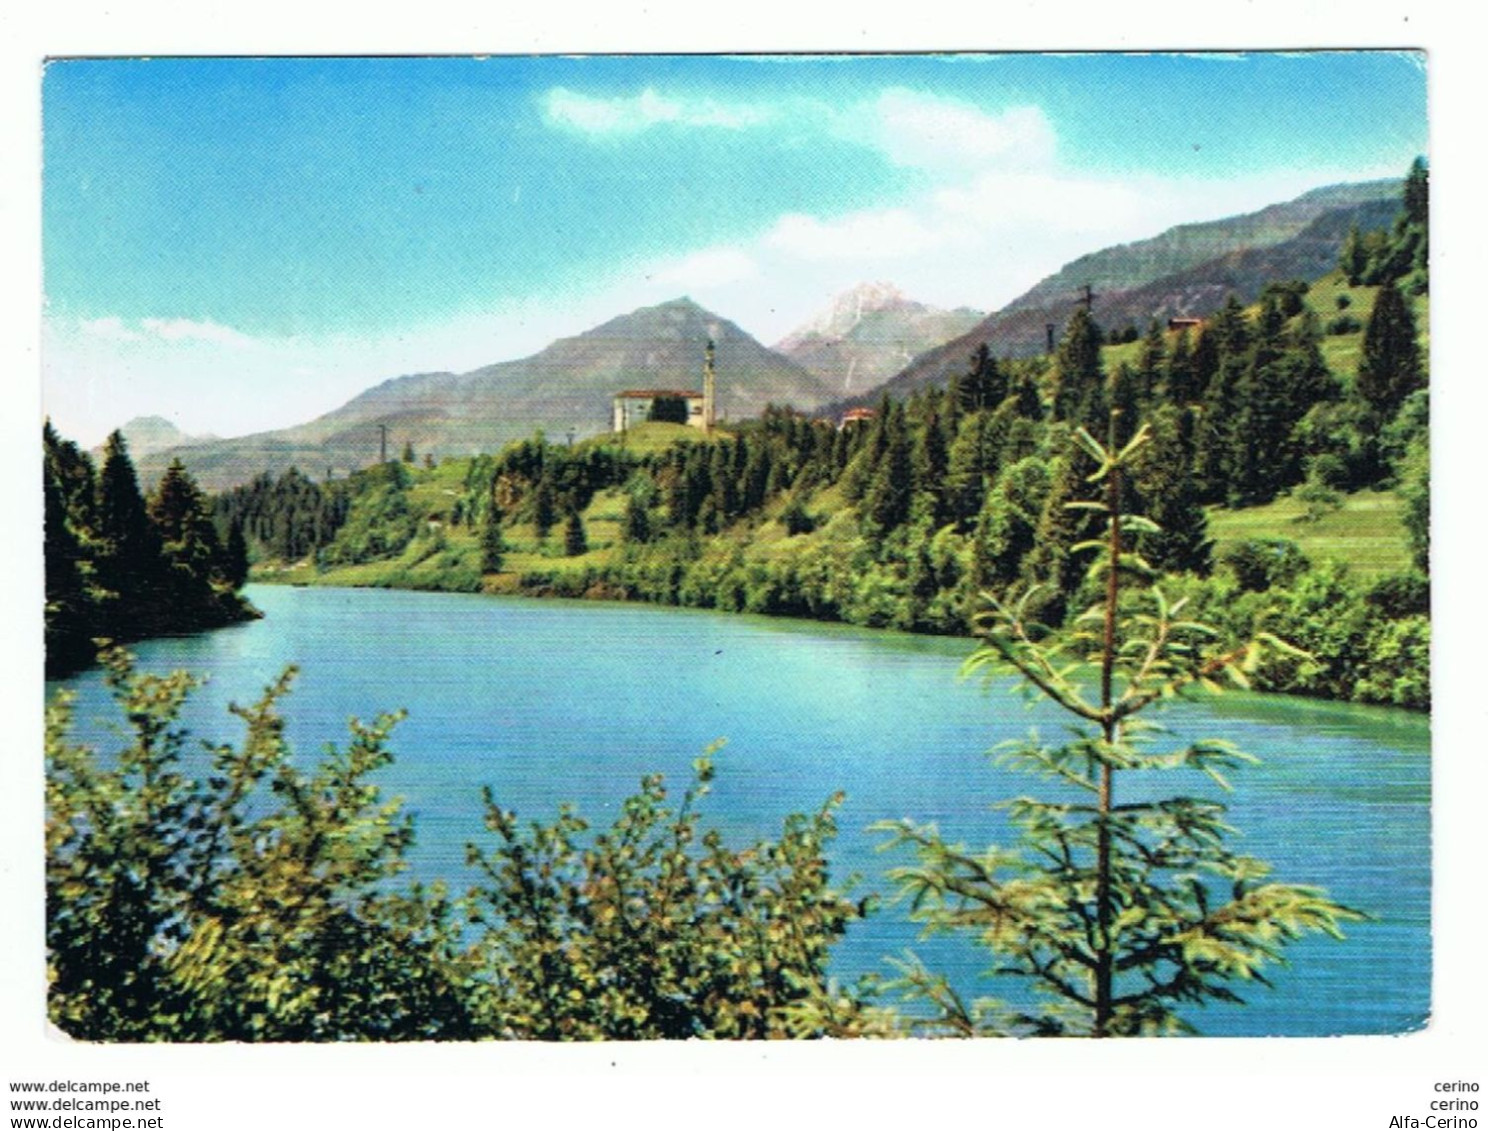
x: 189, y: 330
x: 951, y: 137
x: 109, y: 328
x: 632, y: 114
x: 909, y: 128
x: 870, y: 234
x: 710, y: 267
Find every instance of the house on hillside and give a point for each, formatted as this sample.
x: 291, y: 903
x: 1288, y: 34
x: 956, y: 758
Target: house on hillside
x: 1185, y: 323
x: 636, y: 406
x: 855, y: 416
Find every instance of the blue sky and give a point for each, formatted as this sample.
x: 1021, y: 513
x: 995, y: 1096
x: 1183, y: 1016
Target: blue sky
x: 243, y: 244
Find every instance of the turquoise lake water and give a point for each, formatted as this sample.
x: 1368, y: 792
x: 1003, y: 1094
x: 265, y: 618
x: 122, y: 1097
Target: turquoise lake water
x: 550, y: 701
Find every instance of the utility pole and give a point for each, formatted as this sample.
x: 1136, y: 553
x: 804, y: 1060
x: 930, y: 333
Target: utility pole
x: 382, y: 458
x: 1048, y: 337
x: 1087, y: 298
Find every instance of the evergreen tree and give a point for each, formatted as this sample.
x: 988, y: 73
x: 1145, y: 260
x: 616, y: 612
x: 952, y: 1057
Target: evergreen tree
x: 69, y: 612
x: 128, y: 562
x: 575, y: 542
x: 1182, y: 385
x: 1127, y: 401
x: 985, y: 383
x: 889, y: 494
x: 1152, y: 361
x: 1063, y: 522
x: 235, y: 556
x: 1260, y: 432
x: 1391, y: 368
x: 493, y: 546
x: 967, y: 465
x: 635, y: 529
x: 1080, y: 378
x: 1216, y: 436
x: 1416, y: 201
x: 1163, y: 472
x: 1026, y: 398
x: 931, y: 461
x: 1127, y: 905
x: 544, y: 507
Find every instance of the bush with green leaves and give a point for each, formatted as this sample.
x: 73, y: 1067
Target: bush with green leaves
x: 252, y: 904
x: 1121, y: 908
x: 654, y: 927
x: 262, y: 902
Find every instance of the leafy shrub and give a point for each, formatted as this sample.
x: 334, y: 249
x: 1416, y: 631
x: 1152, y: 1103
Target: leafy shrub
x: 1257, y: 564
x: 258, y: 903
x: 653, y: 928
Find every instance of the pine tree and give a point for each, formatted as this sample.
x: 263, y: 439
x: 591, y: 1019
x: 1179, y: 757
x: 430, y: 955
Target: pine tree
x: 1077, y: 361
x: 69, y: 611
x: 544, y: 507
x: 887, y: 501
x: 1163, y: 472
x: 575, y: 542
x: 967, y: 465
x: 235, y: 556
x: 493, y: 546
x: 1152, y: 362
x: 931, y: 461
x: 1391, y: 368
x: 1181, y: 379
x: 1260, y: 432
x: 1126, y: 906
x: 636, y: 527
x: 128, y: 560
x: 1127, y: 400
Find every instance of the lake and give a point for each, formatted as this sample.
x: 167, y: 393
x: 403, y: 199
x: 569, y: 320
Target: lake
x: 550, y: 701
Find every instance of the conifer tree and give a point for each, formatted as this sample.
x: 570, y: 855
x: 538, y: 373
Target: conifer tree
x: 635, y: 529
x: 1391, y: 367
x: 69, y: 611
x: 1181, y: 379
x: 1126, y: 907
x: 1127, y: 400
x: 544, y: 507
x: 575, y: 541
x: 128, y: 560
x: 235, y: 555
x: 1152, y: 361
x: 1163, y: 473
x: 967, y: 465
x: 1077, y: 362
x: 1008, y: 523
x: 493, y: 546
x: 931, y: 461
x: 890, y: 490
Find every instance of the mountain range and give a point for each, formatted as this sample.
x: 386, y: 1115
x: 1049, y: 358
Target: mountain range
x: 869, y: 334
x: 870, y: 340
x: 147, y: 435
x: 1186, y: 271
x: 566, y: 388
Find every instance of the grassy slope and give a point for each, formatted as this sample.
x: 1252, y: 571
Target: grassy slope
x: 1366, y: 532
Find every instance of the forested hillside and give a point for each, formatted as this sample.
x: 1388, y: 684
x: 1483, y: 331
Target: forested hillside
x: 120, y: 566
x: 1271, y: 426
